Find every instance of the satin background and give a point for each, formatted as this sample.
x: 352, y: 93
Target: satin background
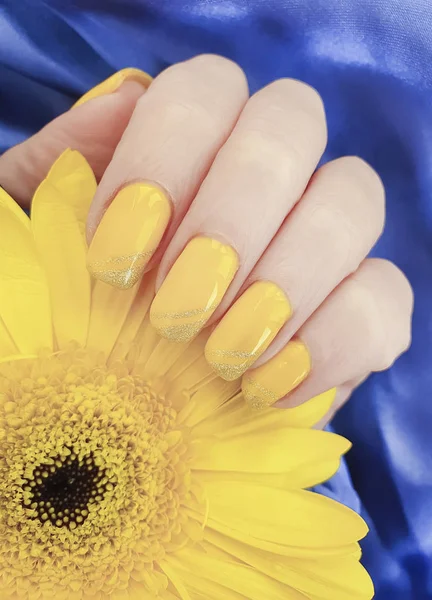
x: 371, y: 61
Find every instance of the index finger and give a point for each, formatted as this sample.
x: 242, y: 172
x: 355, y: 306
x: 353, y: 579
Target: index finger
x: 173, y: 136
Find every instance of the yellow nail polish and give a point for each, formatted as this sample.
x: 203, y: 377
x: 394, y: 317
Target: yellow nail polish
x: 247, y: 329
x: 273, y: 380
x: 128, y: 234
x: 193, y: 288
x: 113, y: 83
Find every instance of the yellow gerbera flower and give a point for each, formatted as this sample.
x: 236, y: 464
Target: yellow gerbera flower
x: 128, y: 470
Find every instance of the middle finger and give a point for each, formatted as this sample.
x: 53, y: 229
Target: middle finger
x: 255, y: 180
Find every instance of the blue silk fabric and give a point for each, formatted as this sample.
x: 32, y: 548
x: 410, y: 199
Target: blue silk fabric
x: 371, y: 60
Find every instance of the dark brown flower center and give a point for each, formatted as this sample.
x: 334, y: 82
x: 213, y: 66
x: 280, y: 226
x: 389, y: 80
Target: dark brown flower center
x: 61, y: 492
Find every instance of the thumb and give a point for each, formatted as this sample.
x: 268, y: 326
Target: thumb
x: 93, y: 127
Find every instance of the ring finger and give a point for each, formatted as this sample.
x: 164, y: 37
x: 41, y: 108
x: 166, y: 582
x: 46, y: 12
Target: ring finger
x: 323, y: 240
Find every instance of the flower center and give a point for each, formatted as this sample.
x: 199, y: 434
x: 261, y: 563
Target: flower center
x: 95, y: 475
x: 62, y: 491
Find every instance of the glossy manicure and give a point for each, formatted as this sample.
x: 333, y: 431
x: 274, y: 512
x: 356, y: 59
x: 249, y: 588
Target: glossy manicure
x: 247, y: 329
x: 193, y: 288
x: 128, y: 234
x: 273, y: 380
x: 113, y: 83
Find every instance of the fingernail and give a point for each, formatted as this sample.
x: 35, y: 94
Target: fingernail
x: 273, y: 380
x: 128, y: 234
x: 247, y: 329
x: 113, y: 83
x: 193, y: 288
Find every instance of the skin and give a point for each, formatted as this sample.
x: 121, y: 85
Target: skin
x: 242, y: 170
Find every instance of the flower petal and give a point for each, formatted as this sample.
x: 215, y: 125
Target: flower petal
x: 305, y: 476
x: 272, y: 451
x: 323, y: 578
x: 7, y: 202
x: 24, y: 297
x: 138, y: 310
x: 109, y: 309
x: 78, y: 184
x: 192, y: 363
x: 209, y: 396
x: 352, y: 549
x: 286, y: 517
x: 162, y: 357
x: 147, y: 339
x: 202, y: 589
x: 231, y: 575
x: 237, y: 419
x: 175, y: 580
x: 61, y: 244
x: 131, y: 594
x: 7, y: 347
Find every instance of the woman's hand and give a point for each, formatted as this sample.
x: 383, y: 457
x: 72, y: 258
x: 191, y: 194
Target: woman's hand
x: 252, y: 241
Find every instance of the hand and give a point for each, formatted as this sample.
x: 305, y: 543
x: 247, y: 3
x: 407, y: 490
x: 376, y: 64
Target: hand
x: 252, y: 243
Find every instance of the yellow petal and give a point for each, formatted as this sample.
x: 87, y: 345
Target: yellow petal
x: 165, y: 595
x: 190, y: 379
x: 24, y: 297
x: 290, y: 517
x: 135, y: 594
x: 194, y: 374
x: 236, y: 418
x: 276, y: 451
x: 202, y: 589
x: 61, y: 244
x: 292, y: 480
x: 162, y: 357
x: 334, y: 578
x: 7, y: 202
x: 300, y: 477
x: 283, y: 549
x: 135, y: 317
x: 191, y: 361
x: 146, y: 339
x: 175, y: 579
x: 78, y: 184
x: 7, y: 347
x: 307, y: 476
x: 109, y: 309
x: 210, y: 396
x: 231, y: 575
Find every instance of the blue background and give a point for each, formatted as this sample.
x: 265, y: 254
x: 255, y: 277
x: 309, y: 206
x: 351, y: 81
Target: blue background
x: 371, y: 61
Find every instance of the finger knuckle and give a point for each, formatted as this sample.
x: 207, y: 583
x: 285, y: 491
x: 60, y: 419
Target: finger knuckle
x: 330, y: 221
x: 360, y: 188
x: 299, y: 92
x: 209, y: 81
x: 384, y: 302
x: 291, y: 108
x: 173, y: 115
x: 395, y: 280
x: 371, y: 332
x: 260, y: 148
x: 225, y: 71
x: 399, y: 289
